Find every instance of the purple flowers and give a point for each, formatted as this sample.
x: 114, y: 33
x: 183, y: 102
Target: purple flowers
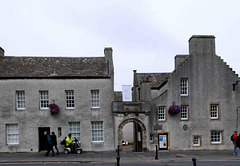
x: 54, y: 109
x: 174, y: 109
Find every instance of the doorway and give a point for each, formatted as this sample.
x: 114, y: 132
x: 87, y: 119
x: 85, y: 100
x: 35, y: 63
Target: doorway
x: 132, y: 135
x: 163, y: 141
x: 42, y: 134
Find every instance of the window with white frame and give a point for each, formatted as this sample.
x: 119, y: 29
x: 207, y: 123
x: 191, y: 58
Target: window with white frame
x: 95, y: 103
x: 161, y: 113
x: 216, y: 137
x: 74, y: 129
x: 184, y: 112
x: 44, y: 99
x: 12, y: 134
x: 184, y: 86
x: 196, y: 140
x: 20, y: 100
x: 69, y: 99
x: 97, y: 131
x: 214, y: 111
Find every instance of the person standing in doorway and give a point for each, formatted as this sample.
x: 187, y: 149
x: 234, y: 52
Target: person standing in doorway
x: 54, y: 141
x: 234, y: 142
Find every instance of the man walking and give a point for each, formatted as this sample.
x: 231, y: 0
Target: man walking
x: 54, y: 141
x: 234, y: 142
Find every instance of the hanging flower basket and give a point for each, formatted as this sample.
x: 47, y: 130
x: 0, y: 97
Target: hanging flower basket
x: 54, y: 109
x: 174, y: 109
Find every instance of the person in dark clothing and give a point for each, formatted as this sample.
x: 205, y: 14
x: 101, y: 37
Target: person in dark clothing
x: 54, y: 142
x: 238, y: 144
x: 49, y: 145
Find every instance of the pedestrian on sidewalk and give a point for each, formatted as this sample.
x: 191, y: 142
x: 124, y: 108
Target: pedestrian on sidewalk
x: 238, y: 144
x: 234, y: 142
x: 54, y: 141
x: 49, y: 145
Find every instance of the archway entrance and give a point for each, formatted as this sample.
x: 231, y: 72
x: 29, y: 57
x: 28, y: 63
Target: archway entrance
x: 132, y: 135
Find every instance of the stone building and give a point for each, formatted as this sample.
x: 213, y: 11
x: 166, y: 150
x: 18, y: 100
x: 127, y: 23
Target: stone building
x: 202, y: 85
x: 207, y: 91
x: 82, y: 87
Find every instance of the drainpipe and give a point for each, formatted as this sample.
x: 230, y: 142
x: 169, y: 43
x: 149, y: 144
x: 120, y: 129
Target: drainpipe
x: 237, y: 118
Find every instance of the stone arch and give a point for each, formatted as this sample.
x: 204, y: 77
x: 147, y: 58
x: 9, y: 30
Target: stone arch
x: 144, y: 132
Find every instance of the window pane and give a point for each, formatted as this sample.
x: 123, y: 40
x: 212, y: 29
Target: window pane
x: 215, y: 137
x: 20, y: 99
x: 214, y: 111
x: 95, y: 99
x: 12, y: 134
x: 74, y: 129
x: 44, y: 99
x: 97, y: 131
x: 196, y: 141
x: 184, y: 112
x: 161, y: 113
x: 70, y: 99
x: 184, y: 86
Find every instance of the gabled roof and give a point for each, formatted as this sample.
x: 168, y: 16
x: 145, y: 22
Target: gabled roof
x: 156, y: 79
x: 48, y: 67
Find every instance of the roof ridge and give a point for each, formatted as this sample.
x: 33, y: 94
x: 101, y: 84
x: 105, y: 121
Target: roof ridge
x: 50, y: 57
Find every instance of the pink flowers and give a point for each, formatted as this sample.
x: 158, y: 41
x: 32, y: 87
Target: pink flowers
x: 54, y: 109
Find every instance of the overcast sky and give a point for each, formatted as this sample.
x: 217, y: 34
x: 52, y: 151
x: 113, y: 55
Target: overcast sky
x: 145, y: 34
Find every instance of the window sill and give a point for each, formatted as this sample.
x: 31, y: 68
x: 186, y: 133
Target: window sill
x: 217, y: 143
x: 44, y: 108
x: 183, y: 95
x: 214, y: 118
x: 70, y: 108
x: 97, y: 141
x: 95, y: 108
x: 196, y: 145
x: 20, y: 109
x: 13, y: 144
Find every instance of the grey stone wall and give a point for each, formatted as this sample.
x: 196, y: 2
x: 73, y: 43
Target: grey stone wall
x: 32, y: 117
x: 210, y: 82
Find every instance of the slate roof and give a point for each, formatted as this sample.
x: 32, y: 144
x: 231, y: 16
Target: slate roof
x: 156, y: 79
x: 48, y: 67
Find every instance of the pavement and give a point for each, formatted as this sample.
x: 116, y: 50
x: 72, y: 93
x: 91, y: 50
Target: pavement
x: 110, y: 157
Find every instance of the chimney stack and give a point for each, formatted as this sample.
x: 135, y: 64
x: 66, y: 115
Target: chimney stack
x: 1, y: 51
x: 108, y: 51
x: 179, y: 59
x: 202, y: 45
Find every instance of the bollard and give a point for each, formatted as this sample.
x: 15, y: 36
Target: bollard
x: 118, y: 160
x: 118, y: 150
x: 118, y: 156
x: 194, y: 161
x: 156, y: 157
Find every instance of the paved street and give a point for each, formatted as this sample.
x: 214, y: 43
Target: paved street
x: 165, y: 158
